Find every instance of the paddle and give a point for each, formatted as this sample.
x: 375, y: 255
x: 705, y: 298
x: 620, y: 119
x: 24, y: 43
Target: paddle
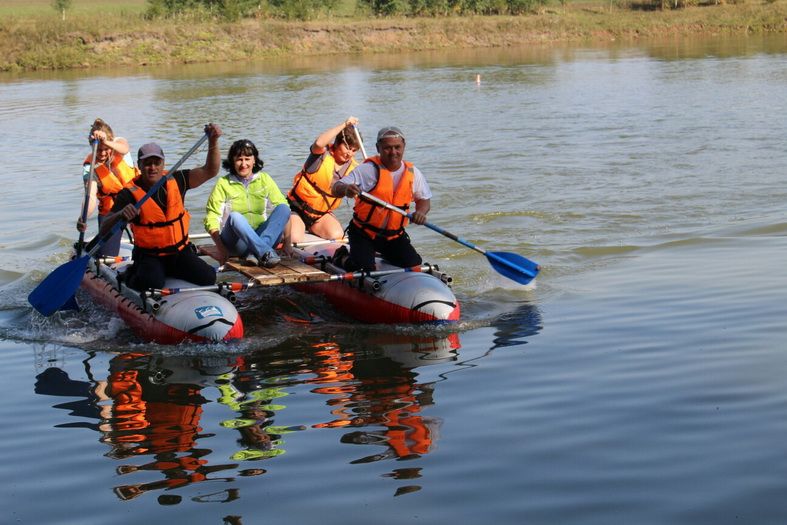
x: 71, y: 302
x: 360, y: 142
x: 218, y: 287
x: 60, y: 285
x: 88, y: 190
x: 240, y: 287
x: 511, y: 265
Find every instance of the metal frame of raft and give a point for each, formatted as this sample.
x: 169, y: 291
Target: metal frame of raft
x: 392, y: 295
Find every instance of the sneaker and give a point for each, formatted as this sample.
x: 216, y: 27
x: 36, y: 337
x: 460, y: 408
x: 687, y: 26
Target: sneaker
x: 340, y: 256
x: 269, y: 259
x: 250, y: 260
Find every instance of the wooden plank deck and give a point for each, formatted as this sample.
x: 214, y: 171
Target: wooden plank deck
x: 289, y: 271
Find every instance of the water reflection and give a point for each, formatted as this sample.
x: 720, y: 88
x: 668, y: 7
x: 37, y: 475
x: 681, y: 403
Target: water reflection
x: 378, y: 387
x: 152, y: 406
x: 382, y: 398
x: 148, y: 410
x: 516, y: 327
x: 372, y: 388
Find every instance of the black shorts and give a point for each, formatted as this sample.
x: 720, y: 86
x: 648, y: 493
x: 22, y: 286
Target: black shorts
x: 398, y: 251
x: 307, y: 219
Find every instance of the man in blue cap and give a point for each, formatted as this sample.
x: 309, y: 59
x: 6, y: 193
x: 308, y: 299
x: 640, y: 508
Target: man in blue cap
x: 161, y: 225
x: 390, y: 178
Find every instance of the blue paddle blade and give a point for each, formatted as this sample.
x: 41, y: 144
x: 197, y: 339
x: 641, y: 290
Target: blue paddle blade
x: 59, y: 286
x: 513, y: 266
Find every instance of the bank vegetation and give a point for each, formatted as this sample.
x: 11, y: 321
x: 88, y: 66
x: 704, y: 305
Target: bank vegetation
x: 135, y: 34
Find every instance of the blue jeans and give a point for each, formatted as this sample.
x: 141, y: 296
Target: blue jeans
x: 241, y: 239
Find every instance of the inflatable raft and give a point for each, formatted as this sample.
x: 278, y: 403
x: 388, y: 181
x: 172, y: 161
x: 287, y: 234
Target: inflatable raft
x: 196, y: 315
x: 391, y: 294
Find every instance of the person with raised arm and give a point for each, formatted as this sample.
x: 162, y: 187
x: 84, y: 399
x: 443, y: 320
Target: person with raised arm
x: 331, y: 157
x: 161, y: 225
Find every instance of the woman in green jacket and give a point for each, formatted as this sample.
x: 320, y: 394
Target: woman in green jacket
x: 236, y: 215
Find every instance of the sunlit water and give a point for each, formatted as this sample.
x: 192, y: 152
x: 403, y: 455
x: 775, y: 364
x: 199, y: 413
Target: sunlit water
x: 640, y: 381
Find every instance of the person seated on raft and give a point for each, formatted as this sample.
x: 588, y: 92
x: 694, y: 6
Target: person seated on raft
x: 114, y: 170
x: 331, y: 156
x: 161, y: 225
x: 374, y: 228
x: 236, y: 212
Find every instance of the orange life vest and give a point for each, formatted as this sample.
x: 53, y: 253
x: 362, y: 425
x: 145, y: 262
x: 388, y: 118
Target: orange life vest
x: 375, y: 220
x: 111, y: 179
x: 311, y: 192
x: 154, y: 231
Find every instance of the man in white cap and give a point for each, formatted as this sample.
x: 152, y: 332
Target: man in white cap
x: 161, y: 225
x: 374, y: 228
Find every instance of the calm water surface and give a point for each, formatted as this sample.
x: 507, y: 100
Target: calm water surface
x: 640, y: 381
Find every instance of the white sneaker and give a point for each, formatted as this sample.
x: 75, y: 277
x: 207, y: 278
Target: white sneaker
x: 251, y: 260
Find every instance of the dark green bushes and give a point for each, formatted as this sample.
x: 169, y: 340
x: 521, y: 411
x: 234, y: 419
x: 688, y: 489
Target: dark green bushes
x: 309, y: 9
x: 450, y: 7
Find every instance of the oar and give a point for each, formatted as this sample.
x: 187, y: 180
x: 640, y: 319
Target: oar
x: 360, y: 142
x: 240, y: 287
x: 200, y: 235
x: 306, y: 244
x: 351, y: 276
x: 88, y: 190
x: 110, y: 260
x: 58, y: 287
x: 511, y: 265
x: 218, y: 287
x: 71, y: 302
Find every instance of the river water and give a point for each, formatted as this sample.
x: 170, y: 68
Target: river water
x: 639, y: 381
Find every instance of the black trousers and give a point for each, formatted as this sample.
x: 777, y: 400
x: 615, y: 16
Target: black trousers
x: 150, y: 271
x: 398, y: 251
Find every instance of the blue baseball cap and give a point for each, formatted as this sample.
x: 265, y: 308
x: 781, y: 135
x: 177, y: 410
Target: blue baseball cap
x: 150, y: 149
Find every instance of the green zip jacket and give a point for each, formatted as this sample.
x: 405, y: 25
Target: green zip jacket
x: 251, y: 202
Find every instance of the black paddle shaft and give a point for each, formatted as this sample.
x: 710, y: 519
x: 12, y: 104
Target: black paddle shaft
x: 93, y: 248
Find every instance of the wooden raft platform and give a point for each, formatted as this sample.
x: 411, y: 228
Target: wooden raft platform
x: 289, y: 271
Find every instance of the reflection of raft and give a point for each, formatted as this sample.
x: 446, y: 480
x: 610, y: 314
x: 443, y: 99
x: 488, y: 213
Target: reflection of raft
x: 199, y: 316
x: 420, y: 296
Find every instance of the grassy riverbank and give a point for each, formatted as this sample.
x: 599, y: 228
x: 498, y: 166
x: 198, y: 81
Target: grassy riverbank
x: 96, y: 34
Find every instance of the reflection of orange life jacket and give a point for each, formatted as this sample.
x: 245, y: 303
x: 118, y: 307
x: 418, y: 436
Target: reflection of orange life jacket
x: 407, y: 432
x: 173, y: 426
x: 111, y: 179
x: 158, y: 233
x: 375, y: 220
x: 158, y: 426
x: 128, y: 407
x: 408, y: 435
x: 311, y: 192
